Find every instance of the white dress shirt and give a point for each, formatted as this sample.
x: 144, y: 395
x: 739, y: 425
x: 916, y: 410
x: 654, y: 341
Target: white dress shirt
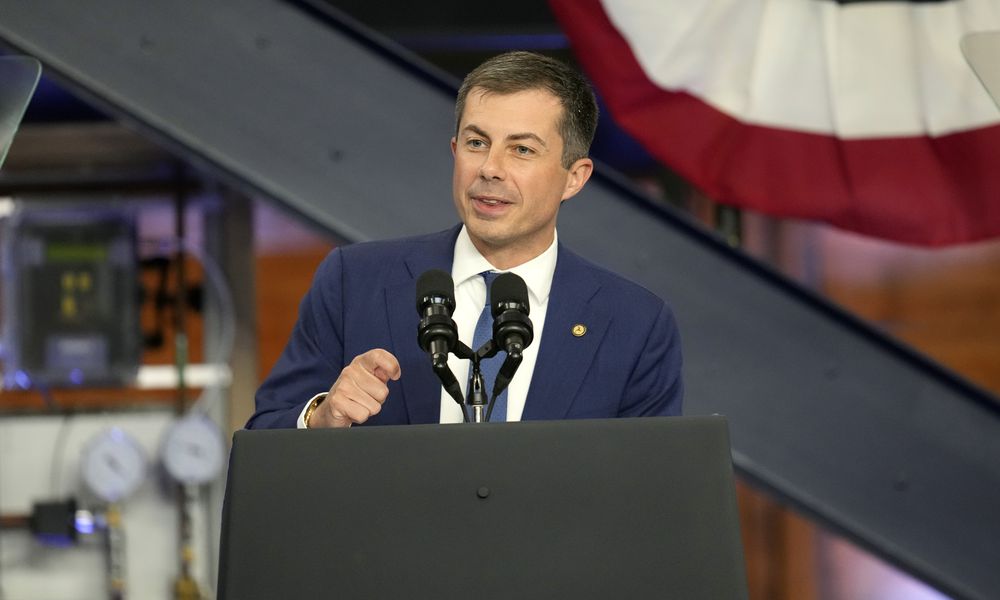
x: 470, y: 297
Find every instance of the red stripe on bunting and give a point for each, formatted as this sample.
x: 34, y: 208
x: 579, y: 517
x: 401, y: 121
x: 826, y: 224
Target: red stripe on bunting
x: 918, y: 190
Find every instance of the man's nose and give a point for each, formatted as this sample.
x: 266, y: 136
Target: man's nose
x: 493, y: 167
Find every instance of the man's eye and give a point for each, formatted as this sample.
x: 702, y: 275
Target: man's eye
x: 476, y: 144
x: 523, y: 150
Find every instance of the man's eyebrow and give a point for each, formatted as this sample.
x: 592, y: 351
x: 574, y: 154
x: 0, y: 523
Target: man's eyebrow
x: 526, y: 136
x: 476, y: 131
x: 514, y: 137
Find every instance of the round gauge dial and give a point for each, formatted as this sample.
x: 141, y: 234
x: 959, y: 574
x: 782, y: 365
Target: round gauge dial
x: 113, y: 465
x: 193, y: 450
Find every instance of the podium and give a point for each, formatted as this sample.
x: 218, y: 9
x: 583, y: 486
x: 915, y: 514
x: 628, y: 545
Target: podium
x: 619, y: 508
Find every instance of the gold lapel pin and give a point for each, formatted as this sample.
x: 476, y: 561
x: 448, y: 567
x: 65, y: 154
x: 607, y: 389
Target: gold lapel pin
x: 579, y: 330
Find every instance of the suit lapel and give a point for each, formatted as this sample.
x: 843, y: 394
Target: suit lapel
x: 564, y: 358
x: 421, y: 389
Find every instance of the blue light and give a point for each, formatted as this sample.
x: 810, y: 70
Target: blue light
x: 22, y: 380
x: 85, y: 522
x: 76, y: 376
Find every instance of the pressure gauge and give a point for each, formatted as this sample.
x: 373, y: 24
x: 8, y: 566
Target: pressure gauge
x: 193, y: 451
x: 113, y: 465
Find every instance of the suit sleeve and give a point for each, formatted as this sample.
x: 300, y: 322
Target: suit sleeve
x: 314, y: 356
x: 655, y: 386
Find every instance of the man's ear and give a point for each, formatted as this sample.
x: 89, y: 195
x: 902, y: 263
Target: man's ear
x: 577, y: 176
x: 454, y: 145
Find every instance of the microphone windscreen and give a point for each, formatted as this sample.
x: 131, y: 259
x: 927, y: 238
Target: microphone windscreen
x: 434, y: 283
x: 507, y: 288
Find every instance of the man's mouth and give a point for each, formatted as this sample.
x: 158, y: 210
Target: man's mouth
x: 490, y: 204
x: 491, y: 201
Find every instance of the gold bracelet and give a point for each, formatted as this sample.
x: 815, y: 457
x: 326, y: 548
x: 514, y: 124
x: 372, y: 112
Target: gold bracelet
x: 316, y: 401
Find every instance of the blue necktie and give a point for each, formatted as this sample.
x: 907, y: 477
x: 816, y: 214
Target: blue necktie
x: 490, y: 366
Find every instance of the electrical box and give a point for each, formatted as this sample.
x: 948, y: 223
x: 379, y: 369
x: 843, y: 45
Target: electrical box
x: 70, y: 296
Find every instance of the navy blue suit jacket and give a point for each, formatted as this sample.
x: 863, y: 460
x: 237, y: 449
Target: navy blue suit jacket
x: 628, y: 363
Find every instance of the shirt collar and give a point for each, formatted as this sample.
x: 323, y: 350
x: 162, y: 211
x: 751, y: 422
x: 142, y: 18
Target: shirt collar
x: 537, y: 273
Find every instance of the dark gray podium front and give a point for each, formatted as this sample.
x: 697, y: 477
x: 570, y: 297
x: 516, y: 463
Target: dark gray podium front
x: 622, y: 508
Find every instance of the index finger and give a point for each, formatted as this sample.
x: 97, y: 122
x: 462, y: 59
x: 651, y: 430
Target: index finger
x: 380, y: 363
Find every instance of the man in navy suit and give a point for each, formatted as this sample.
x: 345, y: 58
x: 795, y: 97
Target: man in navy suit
x: 604, y: 347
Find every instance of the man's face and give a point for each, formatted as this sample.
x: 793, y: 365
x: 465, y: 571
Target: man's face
x: 509, y: 179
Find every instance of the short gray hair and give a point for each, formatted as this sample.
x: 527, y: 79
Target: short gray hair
x: 519, y: 71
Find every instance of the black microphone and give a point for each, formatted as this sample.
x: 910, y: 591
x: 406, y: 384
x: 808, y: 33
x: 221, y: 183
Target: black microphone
x: 437, y: 333
x: 512, y: 329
